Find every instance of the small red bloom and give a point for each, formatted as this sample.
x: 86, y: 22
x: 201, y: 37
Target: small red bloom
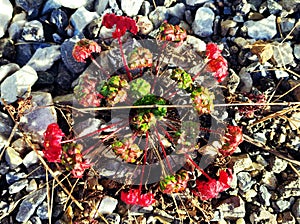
x: 84, y: 48
x: 232, y: 139
x: 146, y: 200
x: 79, y: 169
x: 122, y: 23
x: 225, y: 179
x: 131, y: 197
x: 206, y: 189
x: 212, y: 51
x: 219, y: 68
x: 52, y: 147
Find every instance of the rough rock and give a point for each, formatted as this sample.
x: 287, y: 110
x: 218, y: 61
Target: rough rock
x: 107, y: 205
x: 12, y: 158
x: 278, y: 165
x: 203, y: 22
x: 159, y: 15
x: 274, y: 7
x: 30, y: 159
x: 232, y: 208
x: 283, y: 54
x: 262, y: 216
x: 42, y: 211
x: 60, y: 19
x: 131, y: 7
x: 81, y: 18
x: 13, y: 176
x: 177, y: 10
x: 74, y: 4
x: 296, y: 210
x: 100, y: 6
x: 265, y: 195
x: 66, y: 55
x: 50, y: 5
x: 262, y: 29
x: 269, y: 179
x: 241, y: 163
x: 29, y: 204
x: 6, y: 70
x: 44, y: 58
x: 194, y: 2
x: 40, y: 115
x: 144, y: 24
x: 18, y: 186
x: 30, y: 6
x: 6, y: 15
x: 245, y: 181
x: 282, y: 205
x: 290, y: 188
x: 6, y: 126
x: 33, y: 31
x: 16, y: 27
x: 18, y: 83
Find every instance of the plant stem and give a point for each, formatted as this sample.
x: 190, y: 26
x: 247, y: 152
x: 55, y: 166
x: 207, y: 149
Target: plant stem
x: 124, y: 60
x: 197, y: 167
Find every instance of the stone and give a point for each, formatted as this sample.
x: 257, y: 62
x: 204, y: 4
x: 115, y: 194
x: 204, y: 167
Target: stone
x: 44, y: 58
x: 262, y: 216
x: 40, y: 116
x: 233, y: 82
x: 288, y: 218
x: 7, y: 70
x: 281, y: 74
x: 113, y: 218
x: 282, y: 205
x: 12, y: 177
x: 263, y: 29
x: 260, y: 136
x: 144, y: 24
x: 18, y: 186
x: 197, y: 44
x: 241, y: 163
x: 249, y: 195
x: 287, y: 24
x: 245, y: 80
x: 30, y: 6
x: 16, y: 27
x: 30, y: 159
x: 203, y: 23
x: 6, y: 126
x: 269, y: 179
x: 146, y: 8
x: 81, y: 18
x: 7, y: 49
x: 74, y: 4
x: 32, y: 186
x: 66, y: 55
x: 177, y: 10
x: 12, y: 158
x: 265, y: 195
x: 294, y: 121
x: 297, y: 51
x: 195, y: 2
x: 232, y: 208
x: 290, y: 188
x: 100, y: 6
x: 29, y: 204
x: 64, y: 79
x: 24, y: 53
x: 226, y: 25
x: 60, y: 19
x: 42, y: 211
x: 51, y: 5
x: 278, y: 165
x: 296, y: 210
x: 107, y: 205
x: 33, y: 31
x: 6, y: 15
x: 131, y: 7
x: 35, y: 220
x: 274, y: 7
x: 244, y: 181
x: 159, y: 15
x: 283, y: 54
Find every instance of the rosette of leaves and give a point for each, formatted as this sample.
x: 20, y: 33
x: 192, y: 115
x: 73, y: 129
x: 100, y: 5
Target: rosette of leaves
x: 140, y: 58
x: 169, y: 32
x: 72, y: 159
x: 202, y: 100
x: 114, y: 90
x: 128, y: 151
x: 174, y: 183
x: 183, y: 79
x: 139, y: 88
x: 86, y: 91
x: 145, y: 118
x: 187, y: 137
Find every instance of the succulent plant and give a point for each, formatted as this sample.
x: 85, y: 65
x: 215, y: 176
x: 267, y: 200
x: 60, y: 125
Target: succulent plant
x: 183, y: 79
x: 174, y: 183
x: 202, y: 100
x: 169, y: 32
x: 140, y: 58
x: 127, y: 150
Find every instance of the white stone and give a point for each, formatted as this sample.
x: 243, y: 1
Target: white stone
x: 12, y: 158
x: 198, y: 44
x: 262, y: 29
x: 18, y: 83
x: 30, y: 159
x: 44, y: 58
x: 194, y: 2
x: 8, y: 69
x: 6, y: 15
x: 73, y: 4
x: 203, y: 22
x: 81, y: 18
x: 131, y: 7
x: 107, y: 205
